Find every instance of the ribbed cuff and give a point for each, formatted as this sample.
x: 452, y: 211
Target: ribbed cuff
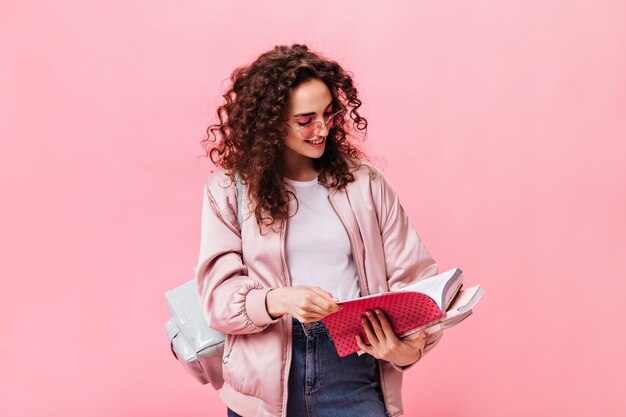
x: 256, y: 309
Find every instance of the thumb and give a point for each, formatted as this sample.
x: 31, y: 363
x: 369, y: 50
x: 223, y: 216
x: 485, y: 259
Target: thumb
x: 419, y: 342
x: 324, y: 294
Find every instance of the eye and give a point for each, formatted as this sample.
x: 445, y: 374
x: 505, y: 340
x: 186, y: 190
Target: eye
x: 304, y: 122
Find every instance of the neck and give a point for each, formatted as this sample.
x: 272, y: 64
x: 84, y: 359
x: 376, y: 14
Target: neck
x: 299, y: 168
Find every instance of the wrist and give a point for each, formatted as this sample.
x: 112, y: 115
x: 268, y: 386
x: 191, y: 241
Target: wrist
x: 272, y: 303
x: 411, y: 360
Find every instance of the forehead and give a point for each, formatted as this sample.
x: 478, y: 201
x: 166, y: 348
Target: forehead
x: 310, y: 96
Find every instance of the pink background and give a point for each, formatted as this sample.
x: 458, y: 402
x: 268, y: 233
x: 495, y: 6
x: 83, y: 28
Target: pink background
x: 500, y: 124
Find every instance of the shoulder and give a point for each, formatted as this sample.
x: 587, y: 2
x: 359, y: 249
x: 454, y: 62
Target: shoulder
x: 220, y: 179
x: 222, y: 191
x: 366, y: 173
x: 372, y: 188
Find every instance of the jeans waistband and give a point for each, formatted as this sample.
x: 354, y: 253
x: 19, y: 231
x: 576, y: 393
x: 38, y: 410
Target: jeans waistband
x: 316, y: 327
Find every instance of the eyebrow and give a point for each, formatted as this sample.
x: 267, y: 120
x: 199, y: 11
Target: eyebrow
x: 310, y: 113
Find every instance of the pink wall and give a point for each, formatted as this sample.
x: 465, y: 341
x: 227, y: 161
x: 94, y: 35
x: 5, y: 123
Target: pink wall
x: 501, y: 125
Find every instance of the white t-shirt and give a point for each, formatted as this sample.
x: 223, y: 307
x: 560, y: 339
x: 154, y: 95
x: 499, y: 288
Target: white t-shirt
x: 318, y: 247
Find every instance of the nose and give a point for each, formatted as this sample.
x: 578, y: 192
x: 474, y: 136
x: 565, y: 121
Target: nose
x: 321, y: 127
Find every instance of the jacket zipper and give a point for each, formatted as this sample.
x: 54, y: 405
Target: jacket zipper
x: 227, y: 357
x: 366, y: 292
x: 360, y: 274
x: 288, y: 328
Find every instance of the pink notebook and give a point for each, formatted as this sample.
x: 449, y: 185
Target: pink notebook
x: 404, y: 310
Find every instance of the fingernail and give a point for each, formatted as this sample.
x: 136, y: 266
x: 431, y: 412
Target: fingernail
x: 363, y: 320
x: 369, y: 313
x: 378, y: 311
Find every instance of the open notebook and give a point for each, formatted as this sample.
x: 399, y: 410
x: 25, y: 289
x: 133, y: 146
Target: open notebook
x: 437, y: 300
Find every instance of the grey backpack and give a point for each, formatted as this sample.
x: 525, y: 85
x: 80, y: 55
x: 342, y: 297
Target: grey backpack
x: 195, y: 345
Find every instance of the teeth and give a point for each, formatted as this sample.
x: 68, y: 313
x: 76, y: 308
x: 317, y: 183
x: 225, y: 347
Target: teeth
x: 317, y: 142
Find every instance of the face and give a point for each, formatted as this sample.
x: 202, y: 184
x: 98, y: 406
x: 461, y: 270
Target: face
x: 308, y: 102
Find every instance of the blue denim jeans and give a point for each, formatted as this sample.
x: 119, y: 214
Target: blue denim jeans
x: 322, y: 384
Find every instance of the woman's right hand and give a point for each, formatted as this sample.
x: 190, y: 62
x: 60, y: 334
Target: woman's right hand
x: 305, y: 303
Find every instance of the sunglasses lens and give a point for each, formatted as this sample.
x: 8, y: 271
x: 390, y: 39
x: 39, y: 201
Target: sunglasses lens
x: 336, y: 119
x: 311, y: 129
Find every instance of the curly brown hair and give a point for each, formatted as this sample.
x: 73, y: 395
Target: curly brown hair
x: 252, y: 134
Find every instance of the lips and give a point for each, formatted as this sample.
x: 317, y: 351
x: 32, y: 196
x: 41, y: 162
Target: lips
x: 316, y: 142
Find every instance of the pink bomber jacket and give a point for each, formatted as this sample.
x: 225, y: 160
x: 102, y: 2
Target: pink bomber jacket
x: 235, y: 271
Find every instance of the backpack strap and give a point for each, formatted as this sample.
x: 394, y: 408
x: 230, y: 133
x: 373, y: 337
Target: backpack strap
x: 239, y: 198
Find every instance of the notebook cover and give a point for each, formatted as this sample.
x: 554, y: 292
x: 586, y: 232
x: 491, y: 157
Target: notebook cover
x: 404, y: 310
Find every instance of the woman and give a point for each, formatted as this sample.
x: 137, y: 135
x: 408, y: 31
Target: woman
x: 320, y: 225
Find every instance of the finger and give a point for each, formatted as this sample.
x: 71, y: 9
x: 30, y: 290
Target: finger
x: 325, y: 304
x: 311, y: 316
x: 306, y: 310
x: 423, y: 337
x: 363, y: 346
x: 369, y: 332
x: 330, y: 302
x: 380, y: 333
x: 323, y: 293
x: 433, y: 338
x: 310, y: 303
x: 419, y: 342
x: 385, y: 325
x: 312, y: 312
x: 431, y: 346
x: 309, y: 309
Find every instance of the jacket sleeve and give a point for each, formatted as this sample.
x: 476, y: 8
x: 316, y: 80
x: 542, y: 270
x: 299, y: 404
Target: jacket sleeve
x: 406, y: 258
x: 231, y: 301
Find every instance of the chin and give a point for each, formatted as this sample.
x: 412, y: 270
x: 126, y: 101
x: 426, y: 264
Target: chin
x: 315, y: 154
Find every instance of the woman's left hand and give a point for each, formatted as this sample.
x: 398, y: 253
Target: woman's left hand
x: 386, y: 345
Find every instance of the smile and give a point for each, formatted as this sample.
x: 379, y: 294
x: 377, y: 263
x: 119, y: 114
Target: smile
x: 316, y: 142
